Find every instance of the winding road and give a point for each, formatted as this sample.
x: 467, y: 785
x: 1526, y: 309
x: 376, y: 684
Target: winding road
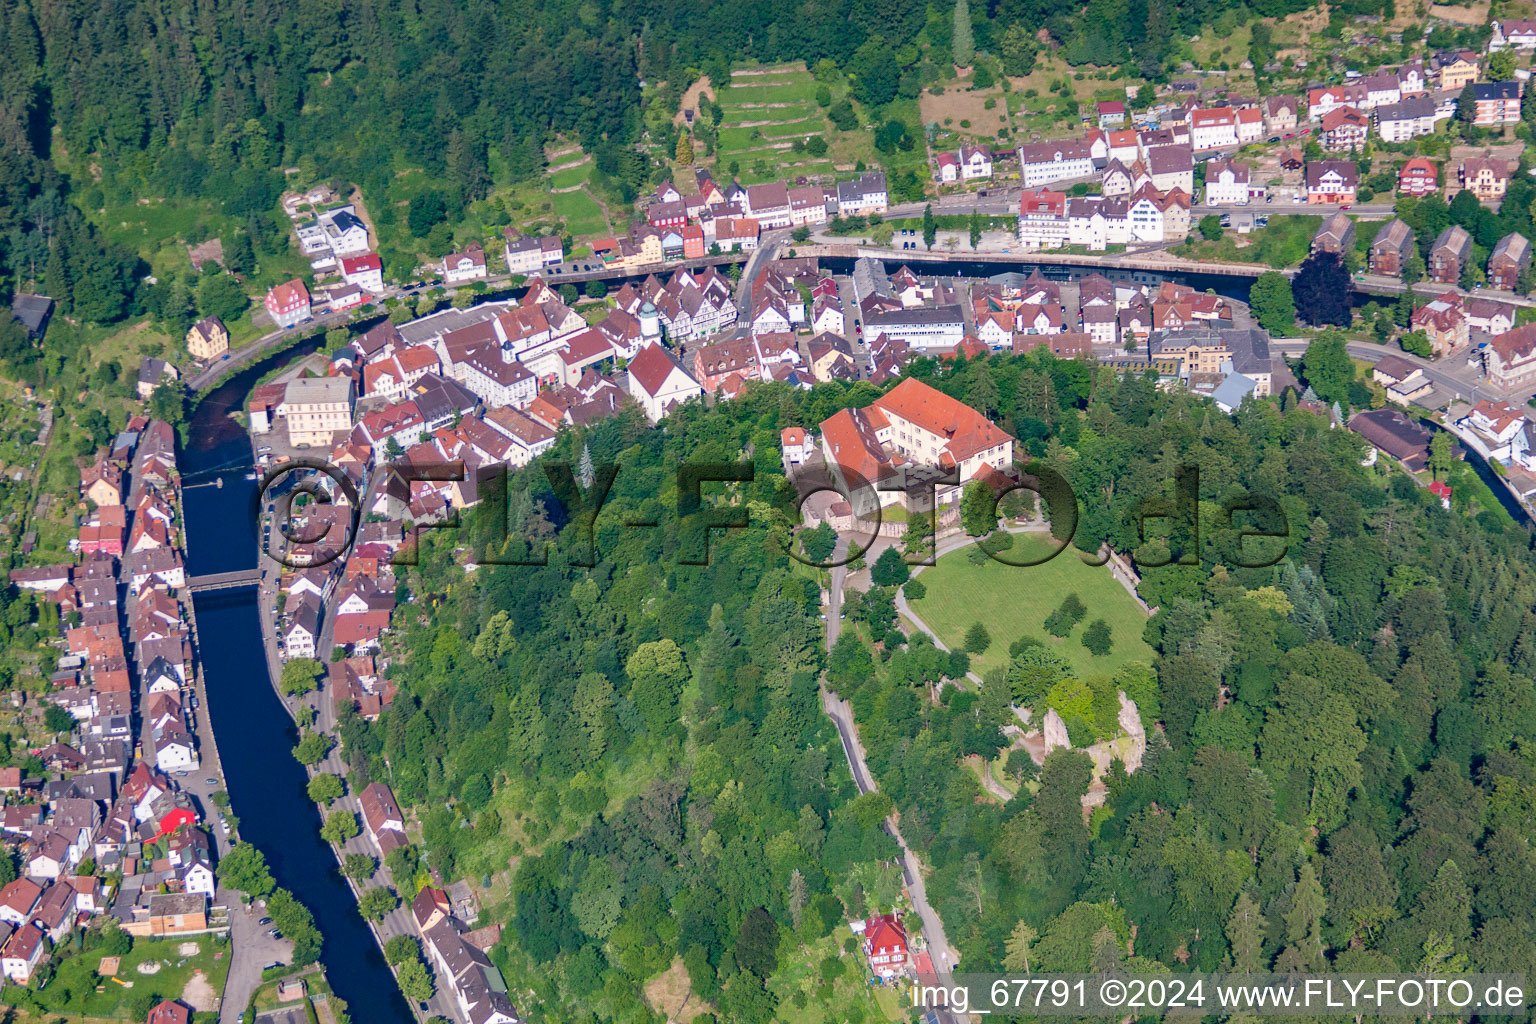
x: 841, y: 713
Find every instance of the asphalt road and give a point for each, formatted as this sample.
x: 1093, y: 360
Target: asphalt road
x: 841, y: 713
x: 1451, y: 374
x: 1005, y: 201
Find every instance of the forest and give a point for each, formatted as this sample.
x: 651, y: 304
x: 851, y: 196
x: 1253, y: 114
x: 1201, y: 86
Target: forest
x: 1339, y: 773
x: 423, y: 106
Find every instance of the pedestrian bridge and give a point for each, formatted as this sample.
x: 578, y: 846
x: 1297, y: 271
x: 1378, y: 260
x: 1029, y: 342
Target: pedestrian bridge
x: 224, y: 580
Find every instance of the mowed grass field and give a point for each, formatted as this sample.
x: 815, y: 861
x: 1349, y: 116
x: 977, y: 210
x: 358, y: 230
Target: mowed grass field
x: 1013, y: 601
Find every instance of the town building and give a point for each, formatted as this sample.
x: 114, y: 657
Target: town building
x: 208, y: 339
x: 911, y: 426
x: 1226, y: 182
x: 1486, y: 176
x: 1043, y: 163
x: 288, y: 303
x: 1508, y: 261
x: 658, y: 383
x: 1392, y: 248
x: 1331, y: 181
x: 1418, y: 177
x: 1496, y: 104
x: 1449, y: 255
x: 315, y: 408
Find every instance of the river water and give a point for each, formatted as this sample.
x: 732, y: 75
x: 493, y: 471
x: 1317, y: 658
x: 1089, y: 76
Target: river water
x: 255, y: 734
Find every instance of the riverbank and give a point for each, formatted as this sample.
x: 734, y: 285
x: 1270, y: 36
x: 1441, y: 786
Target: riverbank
x: 263, y: 779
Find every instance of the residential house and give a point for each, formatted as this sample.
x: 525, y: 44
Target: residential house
x: 1042, y: 219
x: 343, y: 232
x: 973, y: 163
x: 530, y: 254
x: 862, y: 196
x: 1213, y: 128
x: 1331, y: 181
x: 1329, y: 98
x: 382, y: 817
x: 1344, y: 130
x: 1443, y: 322
x: 1171, y: 167
x: 1250, y: 125
x: 468, y: 265
x: 1042, y: 163
x: 1511, y: 359
x: 303, y: 629
x: 288, y: 303
x: 1280, y: 115
x: 1335, y: 235
x: 1508, y: 261
x: 1456, y: 69
x: 1226, y: 182
x: 1513, y: 34
x: 1501, y: 429
x: 1406, y: 119
x: 885, y: 946
x: 1496, y: 104
x: 1382, y: 89
x: 1111, y: 114
x: 1490, y: 316
x: 1450, y: 254
x: 1392, y: 248
x: 1395, y: 434
x: 22, y: 952
x: 208, y: 339
x: 1418, y: 177
x: 1486, y: 176
x: 1404, y: 382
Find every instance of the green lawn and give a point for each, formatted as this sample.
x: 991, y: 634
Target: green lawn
x: 1013, y: 601
x: 1284, y: 242
x: 74, y: 988
x: 568, y: 176
x: 581, y: 213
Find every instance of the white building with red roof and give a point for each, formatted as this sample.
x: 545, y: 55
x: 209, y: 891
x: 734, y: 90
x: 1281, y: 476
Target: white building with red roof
x: 365, y: 271
x: 658, y: 383
x: 885, y: 946
x: 911, y: 429
x: 288, y: 303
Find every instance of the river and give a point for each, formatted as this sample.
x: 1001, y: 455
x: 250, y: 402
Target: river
x: 255, y: 733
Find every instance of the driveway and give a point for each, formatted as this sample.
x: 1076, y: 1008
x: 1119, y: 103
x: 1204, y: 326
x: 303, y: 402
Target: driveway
x: 252, y: 950
x: 841, y: 713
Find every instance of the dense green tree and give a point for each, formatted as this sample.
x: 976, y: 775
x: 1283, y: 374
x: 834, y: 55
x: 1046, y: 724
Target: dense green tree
x: 1273, y: 307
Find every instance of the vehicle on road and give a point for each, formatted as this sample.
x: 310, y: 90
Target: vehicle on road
x: 264, y: 921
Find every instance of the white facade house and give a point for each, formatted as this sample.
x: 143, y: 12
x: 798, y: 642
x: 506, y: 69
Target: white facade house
x: 658, y: 383
x: 345, y: 234
x: 1213, y: 128
x: 1226, y: 183
x: 1041, y: 163
x: 1401, y: 121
